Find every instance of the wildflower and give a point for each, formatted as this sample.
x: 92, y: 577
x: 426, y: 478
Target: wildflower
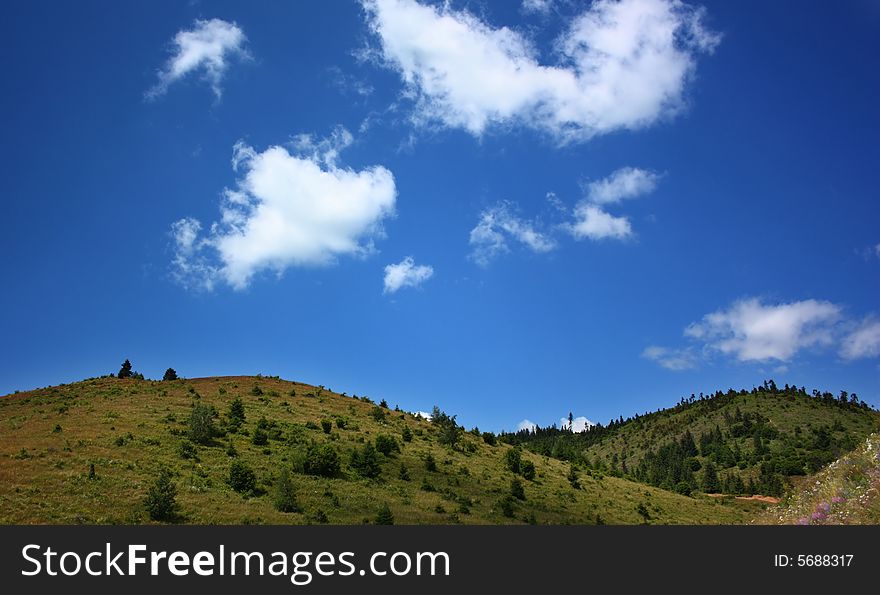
x: 819, y: 516
x: 838, y: 500
x: 823, y: 507
x: 803, y: 521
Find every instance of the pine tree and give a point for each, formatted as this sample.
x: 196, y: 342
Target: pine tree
x: 125, y: 370
x: 285, y: 495
x: 170, y: 374
x: 710, y: 479
x: 161, y: 500
x: 385, y: 516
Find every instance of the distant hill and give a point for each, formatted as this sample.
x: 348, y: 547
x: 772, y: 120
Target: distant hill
x: 738, y: 442
x: 264, y: 450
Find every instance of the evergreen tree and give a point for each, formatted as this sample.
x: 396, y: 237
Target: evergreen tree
x: 516, y: 489
x: 404, y: 473
x: 365, y: 461
x: 710, y: 479
x: 125, y: 370
x: 384, y: 516
x: 161, y: 500
x: 242, y: 478
x: 430, y: 463
x: 201, y: 429
x: 170, y: 374
x: 527, y: 468
x: 285, y: 495
x: 235, y: 416
x: 513, y: 459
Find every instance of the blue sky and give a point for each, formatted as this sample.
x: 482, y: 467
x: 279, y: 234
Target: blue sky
x: 512, y: 211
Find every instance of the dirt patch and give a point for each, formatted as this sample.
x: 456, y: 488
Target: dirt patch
x: 757, y: 497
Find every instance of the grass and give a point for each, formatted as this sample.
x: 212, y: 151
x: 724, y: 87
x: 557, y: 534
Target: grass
x: 847, y: 492
x: 130, y: 429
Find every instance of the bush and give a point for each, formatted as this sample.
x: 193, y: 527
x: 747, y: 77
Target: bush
x: 527, y: 468
x: 341, y: 423
x: 161, y: 500
x: 170, y: 374
x: 378, y: 414
x: 187, y: 450
x: 430, y: 463
x: 242, y: 478
x: 386, y: 444
x: 365, y: 461
x: 200, y: 427
x: 489, y: 438
x: 450, y: 431
x: 384, y: 516
x: 506, y: 505
x: 573, y: 478
x: 285, y: 496
x: 513, y: 459
x: 326, y: 425
x: 321, y: 460
x: 259, y: 437
x: 407, y: 434
x: 404, y: 473
x: 516, y: 489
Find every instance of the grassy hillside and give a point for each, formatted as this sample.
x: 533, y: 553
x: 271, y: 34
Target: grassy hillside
x: 754, y: 442
x: 89, y: 452
x: 847, y: 492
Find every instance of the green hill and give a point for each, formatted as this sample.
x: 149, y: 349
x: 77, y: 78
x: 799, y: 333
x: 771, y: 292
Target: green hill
x: 90, y: 452
x: 738, y: 442
x: 846, y: 492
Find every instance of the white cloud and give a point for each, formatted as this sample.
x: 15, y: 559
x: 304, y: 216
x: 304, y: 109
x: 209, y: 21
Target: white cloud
x: 862, y: 342
x: 208, y: 47
x: 877, y: 250
x: 578, y: 424
x: 626, y: 182
x: 526, y: 425
x: 752, y: 331
x: 423, y: 415
x: 287, y: 210
x: 406, y: 274
x: 496, y: 226
x: 671, y: 359
x: 594, y: 223
x: 621, y: 65
x: 536, y: 6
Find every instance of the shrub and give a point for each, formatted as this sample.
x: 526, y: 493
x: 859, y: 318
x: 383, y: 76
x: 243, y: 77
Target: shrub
x: 365, y: 461
x: 573, y: 478
x: 161, y: 499
x: 321, y: 460
x: 231, y: 450
x: 257, y: 391
x: 449, y: 429
x: 259, y: 437
x: 326, y: 425
x: 311, y: 425
x: 513, y: 459
x: 407, y: 434
x: 378, y: 414
x: 386, y: 444
x: 170, y: 374
x: 383, y: 404
x: 430, y: 463
x: 516, y: 489
x: 341, y: 423
x: 285, y: 496
x: 489, y: 438
x: 242, y: 478
x: 527, y: 468
x: 384, y: 516
x: 506, y: 505
x: 187, y: 450
x: 404, y: 473
x: 200, y: 427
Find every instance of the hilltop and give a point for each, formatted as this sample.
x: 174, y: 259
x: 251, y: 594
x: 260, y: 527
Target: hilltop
x: 739, y: 442
x: 230, y: 447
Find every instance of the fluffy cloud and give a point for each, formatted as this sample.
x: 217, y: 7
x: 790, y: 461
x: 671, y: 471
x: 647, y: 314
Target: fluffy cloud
x: 496, y: 226
x: 207, y: 47
x: 594, y: 223
x: 536, y: 6
x: 288, y: 209
x: 621, y: 65
x: 526, y: 425
x: 578, y: 424
x: 406, y: 274
x: 671, y: 359
x: 862, y: 342
x: 752, y: 331
x: 626, y: 182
